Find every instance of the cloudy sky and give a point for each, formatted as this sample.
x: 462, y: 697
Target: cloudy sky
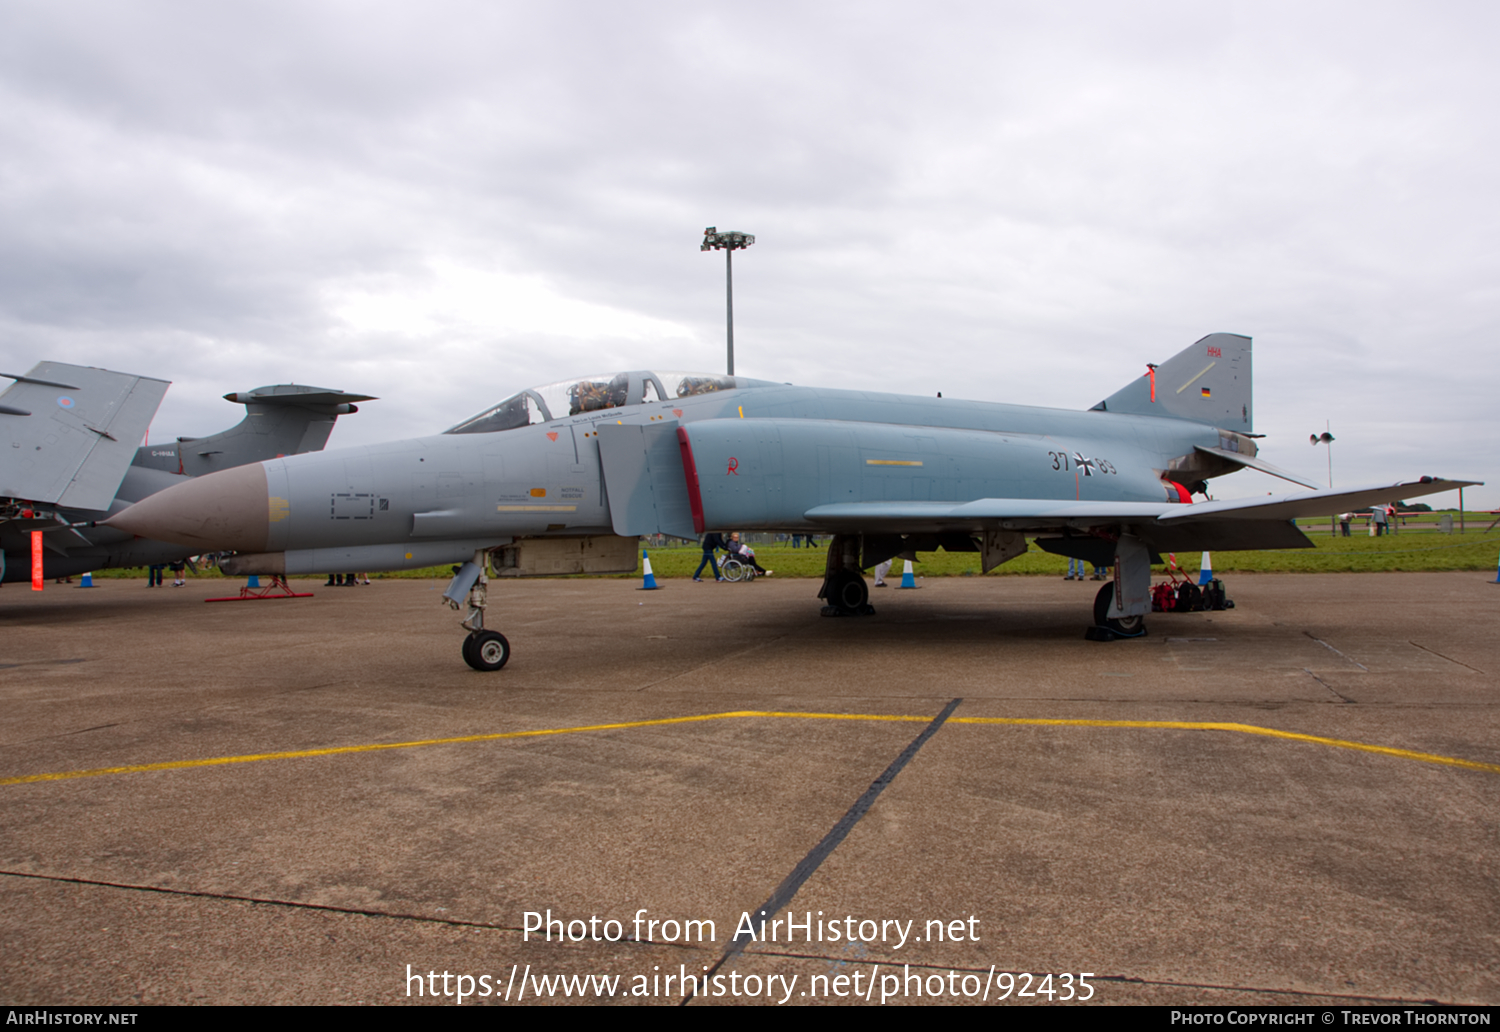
x: 442, y: 203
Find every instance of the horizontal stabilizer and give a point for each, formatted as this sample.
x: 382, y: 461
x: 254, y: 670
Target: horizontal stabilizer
x: 74, y: 431
x: 1250, y: 462
x: 296, y: 394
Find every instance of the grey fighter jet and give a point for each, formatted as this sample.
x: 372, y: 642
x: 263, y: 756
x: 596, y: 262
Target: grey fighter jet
x: 69, y: 458
x: 564, y: 478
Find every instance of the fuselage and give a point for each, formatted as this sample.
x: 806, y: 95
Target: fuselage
x: 759, y: 457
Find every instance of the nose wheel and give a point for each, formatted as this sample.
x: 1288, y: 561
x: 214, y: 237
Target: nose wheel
x: 486, y: 650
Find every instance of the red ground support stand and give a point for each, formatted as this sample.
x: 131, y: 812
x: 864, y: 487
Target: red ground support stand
x: 1168, y: 596
x: 278, y: 588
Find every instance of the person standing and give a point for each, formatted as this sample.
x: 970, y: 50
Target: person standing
x: 880, y: 571
x: 711, y: 543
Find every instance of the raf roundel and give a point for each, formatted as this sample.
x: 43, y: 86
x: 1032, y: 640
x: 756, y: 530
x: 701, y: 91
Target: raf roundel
x: 64, y: 402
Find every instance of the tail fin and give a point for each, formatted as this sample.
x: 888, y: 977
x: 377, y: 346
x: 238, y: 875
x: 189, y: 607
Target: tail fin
x: 286, y: 419
x: 1207, y: 383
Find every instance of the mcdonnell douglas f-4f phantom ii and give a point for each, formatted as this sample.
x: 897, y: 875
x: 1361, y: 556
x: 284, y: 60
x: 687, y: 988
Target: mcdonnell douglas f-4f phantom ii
x: 565, y: 478
x: 69, y: 457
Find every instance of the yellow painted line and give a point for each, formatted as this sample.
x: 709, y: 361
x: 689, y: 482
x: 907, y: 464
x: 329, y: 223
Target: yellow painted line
x: 536, y: 508
x: 218, y: 761
x: 1244, y: 729
x: 893, y: 462
x: 1176, y: 725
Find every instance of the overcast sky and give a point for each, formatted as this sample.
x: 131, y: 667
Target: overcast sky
x: 443, y: 203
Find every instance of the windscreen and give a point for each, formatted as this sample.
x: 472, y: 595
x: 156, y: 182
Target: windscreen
x: 585, y: 394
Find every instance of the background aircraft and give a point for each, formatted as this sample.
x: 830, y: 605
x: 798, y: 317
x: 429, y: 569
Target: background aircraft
x: 68, y: 456
x: 563, y: 478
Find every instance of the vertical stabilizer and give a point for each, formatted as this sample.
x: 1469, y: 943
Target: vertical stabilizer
x: 287, y: 419
x: 1207, y: 383
x: 72, y: 431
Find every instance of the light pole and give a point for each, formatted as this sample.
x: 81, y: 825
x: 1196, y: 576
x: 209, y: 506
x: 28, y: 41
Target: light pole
x: 1326, y: 438
x: 728, y: 242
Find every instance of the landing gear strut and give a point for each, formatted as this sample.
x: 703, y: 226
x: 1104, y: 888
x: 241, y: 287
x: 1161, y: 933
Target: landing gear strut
x: 844, y: 586
x: 482, y: 649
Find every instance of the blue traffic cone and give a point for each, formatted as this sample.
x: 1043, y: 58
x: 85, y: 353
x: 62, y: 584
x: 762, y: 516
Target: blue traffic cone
x: 88, y: 580
x: 254, y: 581
x: 650, y: 581
x: 1206, y: 571
x: 907, y: 580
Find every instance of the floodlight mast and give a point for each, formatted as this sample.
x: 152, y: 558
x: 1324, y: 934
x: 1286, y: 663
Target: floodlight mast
x: 1326, y: 438
x: 728, y: 242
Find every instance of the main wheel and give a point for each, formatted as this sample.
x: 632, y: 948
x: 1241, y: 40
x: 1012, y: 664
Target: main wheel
x: 849, y: 592
x: 732, y: 569
x: 1125, y: 625
x: 486, y: 650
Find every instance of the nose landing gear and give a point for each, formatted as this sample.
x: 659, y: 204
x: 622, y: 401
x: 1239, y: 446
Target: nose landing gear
x: 483, y: 650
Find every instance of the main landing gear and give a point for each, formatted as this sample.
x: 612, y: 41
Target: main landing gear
x: 844, y: 586
x: 1121, y: 606
x: 1107, y: 629
x: 483, y: 650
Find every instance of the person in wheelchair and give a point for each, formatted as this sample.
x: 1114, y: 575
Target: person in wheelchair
x: 745, y: 554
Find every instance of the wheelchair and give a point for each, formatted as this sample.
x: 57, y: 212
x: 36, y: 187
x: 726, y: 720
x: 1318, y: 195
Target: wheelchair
x: 733, y: 568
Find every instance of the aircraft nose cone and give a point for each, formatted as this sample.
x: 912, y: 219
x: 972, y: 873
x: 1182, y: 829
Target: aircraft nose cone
x: 223, y: 511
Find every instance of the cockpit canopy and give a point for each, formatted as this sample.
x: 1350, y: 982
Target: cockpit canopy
x: 592, y: 393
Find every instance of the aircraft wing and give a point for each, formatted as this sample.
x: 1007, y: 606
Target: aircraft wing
x: 73, y: 431
x: 1314, y: 503
x: 1023, y: 513
x: 1245, y: 523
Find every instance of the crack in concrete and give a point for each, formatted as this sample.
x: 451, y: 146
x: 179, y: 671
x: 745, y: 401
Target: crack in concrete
x: 1325, y: 684
x: 1330, y: 648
